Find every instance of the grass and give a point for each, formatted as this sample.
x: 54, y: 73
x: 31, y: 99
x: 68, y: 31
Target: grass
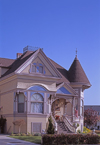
x: 33, y: 139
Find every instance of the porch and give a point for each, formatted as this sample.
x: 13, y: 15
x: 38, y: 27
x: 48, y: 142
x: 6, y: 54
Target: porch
x: 64, y: 113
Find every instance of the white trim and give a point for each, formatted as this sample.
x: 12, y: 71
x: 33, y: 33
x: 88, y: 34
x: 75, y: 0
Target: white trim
x: 7, y: 76
x: 38, y: 75
x: 50, y: 63
x: 27, y: 62
x: 70, y: 89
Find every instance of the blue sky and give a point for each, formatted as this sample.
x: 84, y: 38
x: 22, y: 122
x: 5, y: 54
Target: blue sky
x: 59, y: 27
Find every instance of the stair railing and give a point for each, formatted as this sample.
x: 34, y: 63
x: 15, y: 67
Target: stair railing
x: 68, y: 124
x: 54, y: 122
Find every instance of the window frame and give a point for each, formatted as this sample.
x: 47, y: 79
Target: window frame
x: 37, y: 68
x: 37, y: 102
x: 20, y: 103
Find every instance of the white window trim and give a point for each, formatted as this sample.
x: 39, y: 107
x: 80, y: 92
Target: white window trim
x: 18, y: 103
x: 37, y: 102
x: 37, y: 65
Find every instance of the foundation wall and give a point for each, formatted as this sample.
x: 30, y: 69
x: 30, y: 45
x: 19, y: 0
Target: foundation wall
x: 31, y: 120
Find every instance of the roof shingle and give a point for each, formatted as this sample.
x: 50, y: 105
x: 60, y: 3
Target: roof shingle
x: 76, y: 73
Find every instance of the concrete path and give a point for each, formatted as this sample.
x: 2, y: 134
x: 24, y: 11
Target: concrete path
x: 5, y: 140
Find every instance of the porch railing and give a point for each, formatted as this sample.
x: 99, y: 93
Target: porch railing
x: 54, y: 122
x: 68, y: 124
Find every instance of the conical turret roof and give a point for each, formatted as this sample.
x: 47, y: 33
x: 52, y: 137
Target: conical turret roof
x: 77, y: 74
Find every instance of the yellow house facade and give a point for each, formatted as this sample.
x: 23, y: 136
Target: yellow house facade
x: 34, y: 87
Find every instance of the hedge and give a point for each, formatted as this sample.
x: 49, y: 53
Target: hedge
x: 65, y: 139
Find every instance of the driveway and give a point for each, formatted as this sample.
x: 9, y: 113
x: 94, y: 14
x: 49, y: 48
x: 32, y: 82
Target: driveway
x: 5, y: 140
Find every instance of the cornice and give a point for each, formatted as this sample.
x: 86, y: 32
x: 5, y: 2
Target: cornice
x: 32, y: 76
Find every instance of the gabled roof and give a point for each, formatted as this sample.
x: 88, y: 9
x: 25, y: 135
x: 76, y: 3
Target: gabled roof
x: 76, y: 73
x: 5, y: 62
x: 63, y: 72
x: 18, y: 62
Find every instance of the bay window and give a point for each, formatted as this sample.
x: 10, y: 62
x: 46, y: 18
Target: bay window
x: 36, y: 103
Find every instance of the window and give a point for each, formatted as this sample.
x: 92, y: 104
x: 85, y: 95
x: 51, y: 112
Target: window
x: 37, y: 68
x: 36, y: 103
x: 21, y: 103
x: 36, y: 127
x: 41, y: 69
x: 37, y: 87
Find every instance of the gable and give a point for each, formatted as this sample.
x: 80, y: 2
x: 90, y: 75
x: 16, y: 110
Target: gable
x: 63, y: 90
x: 40, y: 60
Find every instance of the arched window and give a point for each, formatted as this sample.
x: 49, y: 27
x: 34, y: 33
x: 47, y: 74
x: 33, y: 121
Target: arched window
x: 36, y: 103
x: 21, y: 103
x: 37, y: 88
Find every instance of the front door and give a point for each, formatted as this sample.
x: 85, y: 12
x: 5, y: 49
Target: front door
x: 58, y: 108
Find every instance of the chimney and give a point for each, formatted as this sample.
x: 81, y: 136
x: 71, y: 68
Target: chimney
x: 18, y: 55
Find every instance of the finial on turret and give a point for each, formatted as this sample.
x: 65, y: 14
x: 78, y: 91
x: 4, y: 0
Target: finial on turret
x: 76, y: 52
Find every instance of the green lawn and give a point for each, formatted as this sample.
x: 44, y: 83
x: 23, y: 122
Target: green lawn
x: 34, y: 139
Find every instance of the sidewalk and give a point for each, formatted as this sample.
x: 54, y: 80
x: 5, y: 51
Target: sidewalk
x: 5, y: 140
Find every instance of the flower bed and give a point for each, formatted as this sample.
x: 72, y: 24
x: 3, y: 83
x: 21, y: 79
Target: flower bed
x: 86, y: 130
x: 70, y: 139
x: 57, y: 117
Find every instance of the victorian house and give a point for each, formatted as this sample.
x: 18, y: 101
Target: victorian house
x: 33, y: 87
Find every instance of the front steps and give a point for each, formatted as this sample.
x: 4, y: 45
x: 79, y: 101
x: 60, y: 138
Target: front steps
x: 62, y: 128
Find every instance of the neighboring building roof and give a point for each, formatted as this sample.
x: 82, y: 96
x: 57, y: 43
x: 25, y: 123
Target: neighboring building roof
x: 5, y: 62
x: 18, y: 62
x: 94, y: 107
x: 76, y: 73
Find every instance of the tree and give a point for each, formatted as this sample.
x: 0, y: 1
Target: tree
x: 19, y: 123
x: 90, y: 117
x: 2, y: 123
x: 50, y: 129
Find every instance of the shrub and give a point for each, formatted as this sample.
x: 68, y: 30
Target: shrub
x: 23, y: 134
x: 74, y: 124
x: 50, y: 129
x: 78, y: 131
x: 29, y: 134
x: 18, y: 134
x: 12, y: 134
x: 92, y: 139
x: 70, y: 139
x: 37, y: 134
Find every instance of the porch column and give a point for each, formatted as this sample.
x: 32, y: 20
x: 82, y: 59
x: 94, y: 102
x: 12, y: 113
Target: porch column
x: 52, y: 99
x: 16, y: 103
x: 45, y: 104
x: 28, y: 102
x: 73, y: 105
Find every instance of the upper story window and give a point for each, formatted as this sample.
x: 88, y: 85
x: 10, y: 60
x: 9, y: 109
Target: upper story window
x: 37, y: 68
x: 21, y: 103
